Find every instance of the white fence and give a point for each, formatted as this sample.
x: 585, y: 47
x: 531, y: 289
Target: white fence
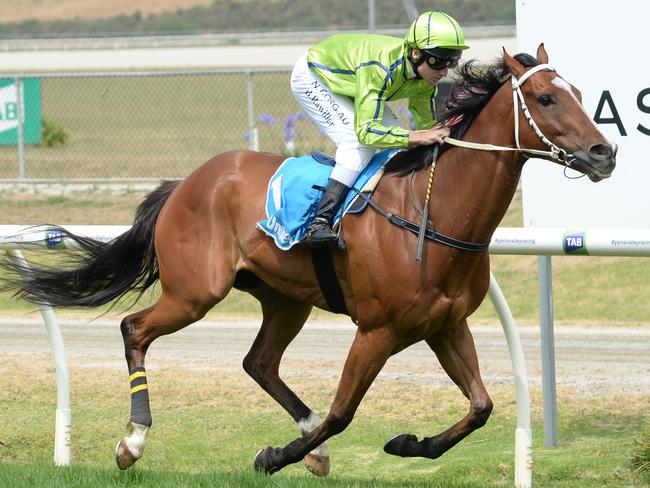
x: 506, y: 240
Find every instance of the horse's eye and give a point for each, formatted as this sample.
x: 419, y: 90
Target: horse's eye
x: 545, y: 100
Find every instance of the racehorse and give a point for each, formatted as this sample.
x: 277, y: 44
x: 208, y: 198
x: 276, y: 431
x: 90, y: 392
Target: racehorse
x: 199, y: 238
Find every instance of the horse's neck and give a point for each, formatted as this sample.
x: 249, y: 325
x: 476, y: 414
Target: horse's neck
x: 478, y: 186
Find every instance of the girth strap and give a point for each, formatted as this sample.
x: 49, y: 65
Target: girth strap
x: 327, y: 279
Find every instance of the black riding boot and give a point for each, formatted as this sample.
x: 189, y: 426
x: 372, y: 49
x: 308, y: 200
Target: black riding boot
x: 320, y: 233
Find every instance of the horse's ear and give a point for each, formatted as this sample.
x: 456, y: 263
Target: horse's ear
x: 515, y: 67
x: 542, y: 57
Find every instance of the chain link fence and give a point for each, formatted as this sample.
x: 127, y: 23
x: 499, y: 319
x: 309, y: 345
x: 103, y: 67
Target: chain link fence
x: 148, y: 125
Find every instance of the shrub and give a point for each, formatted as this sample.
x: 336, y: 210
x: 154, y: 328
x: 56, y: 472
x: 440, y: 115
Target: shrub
x: 54, y: 135
x: 641, y: 453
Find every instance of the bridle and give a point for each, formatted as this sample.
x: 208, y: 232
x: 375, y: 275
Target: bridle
x: 556, y: 153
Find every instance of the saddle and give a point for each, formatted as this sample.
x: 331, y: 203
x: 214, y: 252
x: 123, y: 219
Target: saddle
x: 295, y: 189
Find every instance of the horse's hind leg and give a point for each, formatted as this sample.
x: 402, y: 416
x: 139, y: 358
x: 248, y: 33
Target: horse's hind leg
x: 457, y: 355
x: 139, y: 330
x: 283, y: 319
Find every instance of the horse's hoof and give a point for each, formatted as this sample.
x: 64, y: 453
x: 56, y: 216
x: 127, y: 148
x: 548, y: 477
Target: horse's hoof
x: 262, y: 461
x: 401, y: 445
x: 123, y: 457
x: 257, y: 461
x: 317, y: 465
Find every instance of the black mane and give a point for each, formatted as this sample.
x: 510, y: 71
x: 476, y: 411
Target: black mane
x: 472, y: 90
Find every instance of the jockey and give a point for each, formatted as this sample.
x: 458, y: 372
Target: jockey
x: 344, y: 82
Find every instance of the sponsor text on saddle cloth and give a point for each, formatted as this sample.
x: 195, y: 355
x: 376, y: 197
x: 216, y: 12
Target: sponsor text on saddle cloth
x: 295, y: 189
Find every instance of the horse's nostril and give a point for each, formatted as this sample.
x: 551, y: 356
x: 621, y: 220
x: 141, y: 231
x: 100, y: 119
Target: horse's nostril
x: 601, y: 151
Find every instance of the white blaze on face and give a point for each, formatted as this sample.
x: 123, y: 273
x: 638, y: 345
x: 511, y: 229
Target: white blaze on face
x: 309, y: 424
x: 562, y: 84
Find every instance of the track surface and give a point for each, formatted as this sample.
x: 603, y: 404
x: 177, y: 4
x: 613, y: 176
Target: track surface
x: 270, y: 56
x: 593, y: 360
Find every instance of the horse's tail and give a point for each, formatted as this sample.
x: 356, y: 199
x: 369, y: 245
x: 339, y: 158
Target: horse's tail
x: 102, y: 271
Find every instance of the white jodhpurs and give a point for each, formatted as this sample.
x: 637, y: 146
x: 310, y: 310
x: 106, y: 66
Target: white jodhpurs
x: 334, y: 115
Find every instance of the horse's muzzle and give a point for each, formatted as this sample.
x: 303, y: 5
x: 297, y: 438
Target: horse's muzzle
x: 598, y: 162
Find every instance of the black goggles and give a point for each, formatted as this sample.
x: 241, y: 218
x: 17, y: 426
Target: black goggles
x: 436, y: 62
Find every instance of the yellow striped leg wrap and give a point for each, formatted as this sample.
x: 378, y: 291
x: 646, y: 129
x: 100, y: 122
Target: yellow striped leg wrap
x: 138, y: 384
x: 140, y: 412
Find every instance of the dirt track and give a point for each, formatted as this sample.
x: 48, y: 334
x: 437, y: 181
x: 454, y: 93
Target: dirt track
x: 594, y: 360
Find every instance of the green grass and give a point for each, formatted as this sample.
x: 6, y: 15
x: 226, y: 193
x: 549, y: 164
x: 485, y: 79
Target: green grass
x: 585, y: 290
x: 31, y: 475
x: 207, y: 428
x: 641, y: 452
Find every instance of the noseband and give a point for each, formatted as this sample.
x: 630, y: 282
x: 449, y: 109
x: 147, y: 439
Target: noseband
x: 556, y: 153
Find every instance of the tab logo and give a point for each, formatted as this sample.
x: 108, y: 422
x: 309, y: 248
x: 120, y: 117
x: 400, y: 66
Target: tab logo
x: 574, y: 243
x: 54, y: 240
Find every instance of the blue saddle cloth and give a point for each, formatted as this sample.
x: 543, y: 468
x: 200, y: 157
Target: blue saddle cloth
x: 295, y: 189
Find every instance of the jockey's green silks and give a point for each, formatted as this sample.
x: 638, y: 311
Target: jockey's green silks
x: 374, y: 69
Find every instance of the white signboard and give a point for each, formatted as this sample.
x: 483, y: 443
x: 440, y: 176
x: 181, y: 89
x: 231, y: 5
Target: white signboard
x: 602, y: 48
x: 8, y: 107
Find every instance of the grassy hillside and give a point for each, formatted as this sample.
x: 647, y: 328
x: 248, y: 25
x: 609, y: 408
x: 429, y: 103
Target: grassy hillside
x: 44, y: 10
x: 93, y: 17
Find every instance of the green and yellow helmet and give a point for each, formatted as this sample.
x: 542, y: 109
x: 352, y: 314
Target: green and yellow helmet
x: 435, y: 31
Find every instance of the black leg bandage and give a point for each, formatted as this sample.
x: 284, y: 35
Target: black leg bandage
x: 140, y: 412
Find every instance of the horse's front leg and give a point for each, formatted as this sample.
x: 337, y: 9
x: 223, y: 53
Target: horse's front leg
x: 283, y: 319
x: 366, y: 358
x: 457, y: 355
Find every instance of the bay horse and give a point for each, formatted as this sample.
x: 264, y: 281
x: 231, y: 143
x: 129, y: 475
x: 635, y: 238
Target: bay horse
x: 199, y: 238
